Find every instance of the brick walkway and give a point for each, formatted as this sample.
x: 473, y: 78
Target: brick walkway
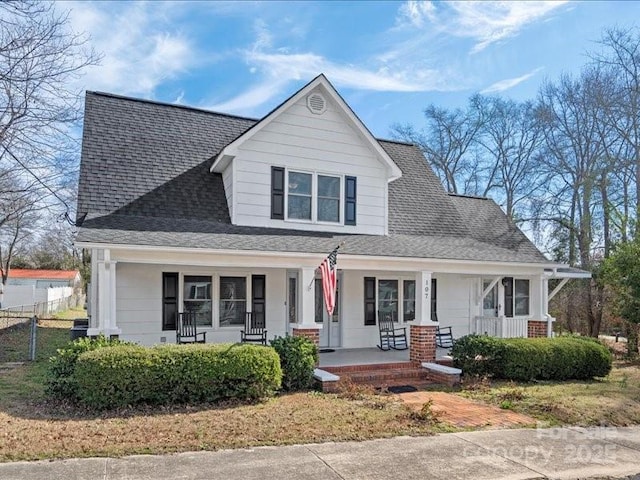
x: 462, y: 412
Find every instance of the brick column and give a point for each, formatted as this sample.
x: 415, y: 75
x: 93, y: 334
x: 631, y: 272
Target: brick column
x: 536, y: 328
x: 312, y: 334
x: 423, y: 343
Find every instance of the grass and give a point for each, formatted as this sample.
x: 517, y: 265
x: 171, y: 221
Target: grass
x: 612, y: 401
x: 31, y: 428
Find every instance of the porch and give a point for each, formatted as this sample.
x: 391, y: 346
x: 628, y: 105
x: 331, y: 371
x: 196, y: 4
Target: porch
x: 370, y: 356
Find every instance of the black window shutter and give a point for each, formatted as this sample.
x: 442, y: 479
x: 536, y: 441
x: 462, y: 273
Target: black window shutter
x: 258, y: 300
x: 350, y: 201
x: 508, y: 296
x: 277, y: 193
x: 369, y: 300
x: 169, y: 300
x: 434, y: 300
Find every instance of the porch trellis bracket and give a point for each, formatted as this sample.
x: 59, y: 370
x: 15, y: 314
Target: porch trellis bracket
x: 488, y: 289
x: 562, y: 283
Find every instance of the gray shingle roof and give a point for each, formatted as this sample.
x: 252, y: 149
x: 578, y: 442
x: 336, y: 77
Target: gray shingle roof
x: 145, y: 180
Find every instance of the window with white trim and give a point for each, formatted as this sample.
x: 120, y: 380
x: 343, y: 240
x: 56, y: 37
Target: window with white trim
x: 300, y: 193
x: 328, y: 198
x: 197, y: 298
x: 521, y: 297
x: 314, y: 197
x: 233, y: 301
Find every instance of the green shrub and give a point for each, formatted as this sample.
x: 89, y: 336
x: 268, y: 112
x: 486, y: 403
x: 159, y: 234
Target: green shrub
x: 130, y: 375
x: 298, y: 358
x: 479, y: 355
x: 526, y: 359
x: 60, y: 382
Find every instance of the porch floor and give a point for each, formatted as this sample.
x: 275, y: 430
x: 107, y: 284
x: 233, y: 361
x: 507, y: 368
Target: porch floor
x: 369, y: 356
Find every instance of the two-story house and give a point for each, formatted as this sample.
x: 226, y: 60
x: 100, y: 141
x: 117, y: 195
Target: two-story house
x: 191, y: 210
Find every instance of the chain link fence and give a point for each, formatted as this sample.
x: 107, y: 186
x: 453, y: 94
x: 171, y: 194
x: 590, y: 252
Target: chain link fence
x: 26, y: 332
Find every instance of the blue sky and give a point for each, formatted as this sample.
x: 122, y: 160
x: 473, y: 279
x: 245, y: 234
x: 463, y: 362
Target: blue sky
x: 388, y: 59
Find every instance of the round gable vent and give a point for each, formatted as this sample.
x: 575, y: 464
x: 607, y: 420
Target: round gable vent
x: 316, y: 103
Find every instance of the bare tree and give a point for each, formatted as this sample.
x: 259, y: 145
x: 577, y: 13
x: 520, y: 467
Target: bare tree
x: 512, y: 137
x: 40, y: 59
x: 621, y: 58
x: 447, y: 143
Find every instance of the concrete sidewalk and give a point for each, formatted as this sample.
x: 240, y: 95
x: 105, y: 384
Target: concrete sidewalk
x: 497, y: 454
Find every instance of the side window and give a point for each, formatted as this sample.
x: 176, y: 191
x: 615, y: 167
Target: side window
x: 521, y: 298
x: 507, y: 282
x: 409, y: 300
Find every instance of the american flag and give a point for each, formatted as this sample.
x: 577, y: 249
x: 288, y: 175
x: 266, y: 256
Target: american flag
x: 330, y: 279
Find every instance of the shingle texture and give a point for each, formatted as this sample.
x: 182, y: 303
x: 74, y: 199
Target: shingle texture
x: 145, y: 180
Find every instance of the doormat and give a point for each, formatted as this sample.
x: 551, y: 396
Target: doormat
x: 402, y: 389
x: 326, y: 350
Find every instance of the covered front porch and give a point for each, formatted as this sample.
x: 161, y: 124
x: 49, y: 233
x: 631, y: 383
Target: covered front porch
x: 140, y: 296
x: 370, y: 356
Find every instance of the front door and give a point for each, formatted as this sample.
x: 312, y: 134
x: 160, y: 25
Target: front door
x: 330, y: 331
x: 490, y: 302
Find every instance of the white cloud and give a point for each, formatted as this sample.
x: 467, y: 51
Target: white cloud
x: 139, y: 48
x: 508, y: 83
x: 485, y: 22
x: 415, y: 13
x: 489, y: 22
x: 278, y: 69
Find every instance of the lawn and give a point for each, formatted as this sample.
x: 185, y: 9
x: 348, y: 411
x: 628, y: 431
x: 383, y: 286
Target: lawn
x: 31, y: 428
x: 612, y: 401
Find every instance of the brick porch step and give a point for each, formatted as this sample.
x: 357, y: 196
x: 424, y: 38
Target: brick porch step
x: 369, y: 367
x: 383, y: 374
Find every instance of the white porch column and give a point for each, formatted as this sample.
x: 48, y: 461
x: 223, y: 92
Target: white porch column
x: 544, y: 280
x: 307, y: 326
x: 422, y: 338
x: 423, y: 299
x: 104, y: 301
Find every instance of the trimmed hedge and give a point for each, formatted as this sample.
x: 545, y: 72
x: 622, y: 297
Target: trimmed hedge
x: 129, y: 375
x: 60, y: 381
x: 525, y: 359
x: 298, y: 358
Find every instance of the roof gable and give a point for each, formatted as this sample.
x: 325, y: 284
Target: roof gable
x: 320, y: 83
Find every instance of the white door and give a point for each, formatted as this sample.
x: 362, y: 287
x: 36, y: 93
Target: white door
x: 490, y: 302
x: 330, y: 332
x: 293, y: 302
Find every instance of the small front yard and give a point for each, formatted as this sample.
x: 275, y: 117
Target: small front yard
x: 613, y: 401
x: 33, y: 428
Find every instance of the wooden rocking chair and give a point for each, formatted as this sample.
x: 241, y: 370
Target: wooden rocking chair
x: 187, y: 330
x: 254, y: 330
x: 391, y: 336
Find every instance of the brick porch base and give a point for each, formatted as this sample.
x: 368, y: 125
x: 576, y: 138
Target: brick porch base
x: 422, y: 347
x: 536, y: 328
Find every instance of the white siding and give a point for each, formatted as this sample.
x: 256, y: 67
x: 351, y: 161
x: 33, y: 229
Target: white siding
x: 300, y: 140
x: 227, y: 179
x: 139, y: 302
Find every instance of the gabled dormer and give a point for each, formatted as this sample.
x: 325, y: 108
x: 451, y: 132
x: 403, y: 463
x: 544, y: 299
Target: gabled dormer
x: 310, y: 164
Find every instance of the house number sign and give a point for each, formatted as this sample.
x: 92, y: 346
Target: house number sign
x: 426, y: 290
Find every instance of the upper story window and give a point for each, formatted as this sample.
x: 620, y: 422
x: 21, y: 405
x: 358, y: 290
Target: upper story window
x: 328, y: 199
x: 312, y: 197
x: 300, y: 195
